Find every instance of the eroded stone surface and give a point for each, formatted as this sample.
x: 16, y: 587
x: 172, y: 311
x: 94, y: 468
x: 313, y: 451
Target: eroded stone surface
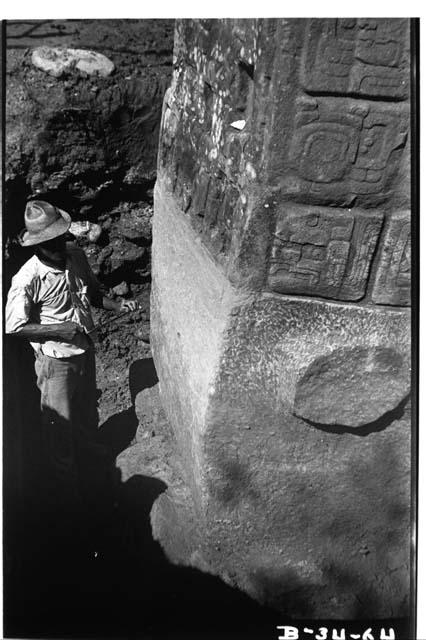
x: 353, y: 387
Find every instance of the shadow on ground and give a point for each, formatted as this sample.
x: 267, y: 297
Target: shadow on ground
x: 119, y: 430
x: 97, y: 572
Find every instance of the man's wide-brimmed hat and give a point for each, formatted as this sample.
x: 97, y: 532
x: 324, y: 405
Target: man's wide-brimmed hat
x: 43, y: 221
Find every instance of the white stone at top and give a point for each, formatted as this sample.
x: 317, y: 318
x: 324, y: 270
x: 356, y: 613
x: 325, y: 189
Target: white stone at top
x: 56, y: 61
x: 86, y: 229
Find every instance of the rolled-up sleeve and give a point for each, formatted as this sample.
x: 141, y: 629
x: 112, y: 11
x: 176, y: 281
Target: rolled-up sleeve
x: 18, y: 306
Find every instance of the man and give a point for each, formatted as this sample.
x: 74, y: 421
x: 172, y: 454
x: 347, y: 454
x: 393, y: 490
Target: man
x: 49, y: 304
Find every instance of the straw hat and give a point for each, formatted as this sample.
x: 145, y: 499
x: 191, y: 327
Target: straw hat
x: 43, y: 221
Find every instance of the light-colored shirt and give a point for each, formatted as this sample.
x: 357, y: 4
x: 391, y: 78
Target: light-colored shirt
x: 46, y: 295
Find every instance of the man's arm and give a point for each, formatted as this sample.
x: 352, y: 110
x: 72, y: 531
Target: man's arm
x: 18, y: 315
x: 98, y: 297
x: 62, y: 331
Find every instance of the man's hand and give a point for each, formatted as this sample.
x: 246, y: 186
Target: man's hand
x: 128, y: 305
x: 119, y: 305
x: 68, y: 331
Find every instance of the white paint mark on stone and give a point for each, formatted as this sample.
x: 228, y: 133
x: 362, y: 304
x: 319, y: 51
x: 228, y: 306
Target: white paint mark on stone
x: 238, y: 124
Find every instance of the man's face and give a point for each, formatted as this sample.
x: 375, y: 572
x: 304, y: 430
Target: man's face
x: 53, y: 250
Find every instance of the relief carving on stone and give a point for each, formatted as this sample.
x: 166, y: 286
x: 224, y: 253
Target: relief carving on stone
x: 323, y: 252
x: 393, y: 278
x: 342, y: 147
x: 362, y: 57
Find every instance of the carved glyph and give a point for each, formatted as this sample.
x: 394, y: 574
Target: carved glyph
x: 393, y: 279
x: 323, y: 252
x: 342, y: 147
x: 363, y: 57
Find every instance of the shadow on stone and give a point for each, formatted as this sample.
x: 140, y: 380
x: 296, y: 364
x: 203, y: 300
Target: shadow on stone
x: 169, y: 600
x: 113, y: 580
x: 377, y: 425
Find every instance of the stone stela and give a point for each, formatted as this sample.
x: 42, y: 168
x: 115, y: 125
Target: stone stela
x: 280, y: 310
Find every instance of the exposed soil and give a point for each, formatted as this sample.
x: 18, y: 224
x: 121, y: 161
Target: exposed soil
x: 89, y: 145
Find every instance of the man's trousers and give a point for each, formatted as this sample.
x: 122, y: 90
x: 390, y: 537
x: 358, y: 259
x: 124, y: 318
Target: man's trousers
x: 69, y: 420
